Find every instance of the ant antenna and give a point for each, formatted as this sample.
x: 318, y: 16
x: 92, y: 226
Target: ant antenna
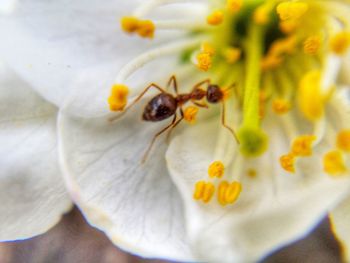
x: 223, y: 122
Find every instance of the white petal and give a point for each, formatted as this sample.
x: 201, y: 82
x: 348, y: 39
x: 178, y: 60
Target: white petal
x: 75, y: 49
x: 275, y: 208
x: 135, y: 204
x: 32, y: 191
x: 340, y: 221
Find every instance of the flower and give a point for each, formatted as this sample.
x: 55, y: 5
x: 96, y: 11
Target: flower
x: 238, y: 201
x: 32, y: 191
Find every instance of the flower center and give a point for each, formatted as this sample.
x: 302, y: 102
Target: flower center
x: 274, y: 51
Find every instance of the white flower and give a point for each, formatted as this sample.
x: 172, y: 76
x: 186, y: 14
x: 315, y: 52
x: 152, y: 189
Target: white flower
x: 74, y: 52
x: 32, y: 191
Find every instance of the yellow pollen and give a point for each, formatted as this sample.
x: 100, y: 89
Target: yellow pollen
x: 216, y: 169
x: 312, y: 45
x: 232, y: 54
x: 252, y: 173
x: 226, y: 93
x: 310, y: 98
x: 129, y: 24
x: 340, y: 43
x: 208, y: 48
x: 287, y: 162
x: 146, y: 29
x: 118, y: 98
x: 333, y: 163
x: 302, y: 146
x: 215, y: 18
x: 234, y: 5
x: 283, y: 46
x: 203, y: 191
x: 281, y: 106
x: 343, y: 140
x: 291, y: 10
x: 204, y: 61
x: 190, y: 114
x: 228, y: 193
x: 270, y: 62
x: 261, y: 15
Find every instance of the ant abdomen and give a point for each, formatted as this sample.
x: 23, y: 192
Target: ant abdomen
x: 161, y: 107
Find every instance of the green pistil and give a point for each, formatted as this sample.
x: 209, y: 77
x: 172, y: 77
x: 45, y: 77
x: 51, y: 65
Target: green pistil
x: 253, y: 141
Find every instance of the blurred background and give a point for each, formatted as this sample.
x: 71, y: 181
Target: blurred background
x: 74, y: 241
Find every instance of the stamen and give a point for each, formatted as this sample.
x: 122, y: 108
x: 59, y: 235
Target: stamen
x: 190, y: 114
x: 302, y: 146
x: 208, y: 48
x: 144, y: 28
x: 143, y: 59
x: 287, y: 162
x: 216, y: 169
x: 232, y: 54
x: 281, y: 106
x: 333, y: 163
x: 312, y: 45
x: 261, y: 15
x: 311, y: 100
x: 204, y: 61
x: 203, y: 191
x: 228, y: 193
x: 343, y: 140
x: 118, y: 98
x: 291, y: 10
x: 234, y: 5
x: 215, y: 18
x: 340, y: 43
x: 288, y: 26
x: 129, y: 24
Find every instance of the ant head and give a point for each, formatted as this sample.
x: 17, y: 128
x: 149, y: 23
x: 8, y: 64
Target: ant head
x: 214, y: 94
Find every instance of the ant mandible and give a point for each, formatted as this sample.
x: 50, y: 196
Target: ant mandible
x: 165, y: 105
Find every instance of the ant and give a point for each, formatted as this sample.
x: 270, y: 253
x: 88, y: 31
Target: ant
x: 165, y: 105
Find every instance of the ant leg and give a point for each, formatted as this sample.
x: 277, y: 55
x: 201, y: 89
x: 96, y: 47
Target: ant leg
x: 201, y: 105
x: 144, y: 158
x: 173, y: 80
x: 174, y: 125
x: 152, y: 85
x: 223, y: 122
x: 206, y: 81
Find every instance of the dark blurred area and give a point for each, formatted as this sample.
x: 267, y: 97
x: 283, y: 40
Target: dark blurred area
x: 74, y: 241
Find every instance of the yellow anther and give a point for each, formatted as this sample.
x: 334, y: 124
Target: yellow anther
x: 261, y: 15
x: 232, y: 54
x: 312, y: 45
x: 283, y: 46
x: 227, y: 92
x: 234, y: 5
x: 302, y: 146
x: 340, y: 43
x: 270, y: 62
x: 215, y: 18
x: 129, y: 24
x: 252, y: 173
x: 118, y: 98
x: 281, y: 106
x: 310, y: 98
x: 204, y: 61
x: 287, y: 162
x: 216, y: 169
x: 288, y: 26
x: 208, y: 48
x: 190, y: 114
x: 343, y: 140
x: 291, y: 10
x: 333, y: 163
x: 228, y: 193
x: 146, y: 29
x: 203, y: 191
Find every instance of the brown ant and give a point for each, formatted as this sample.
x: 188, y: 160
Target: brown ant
x: 165, y: 105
